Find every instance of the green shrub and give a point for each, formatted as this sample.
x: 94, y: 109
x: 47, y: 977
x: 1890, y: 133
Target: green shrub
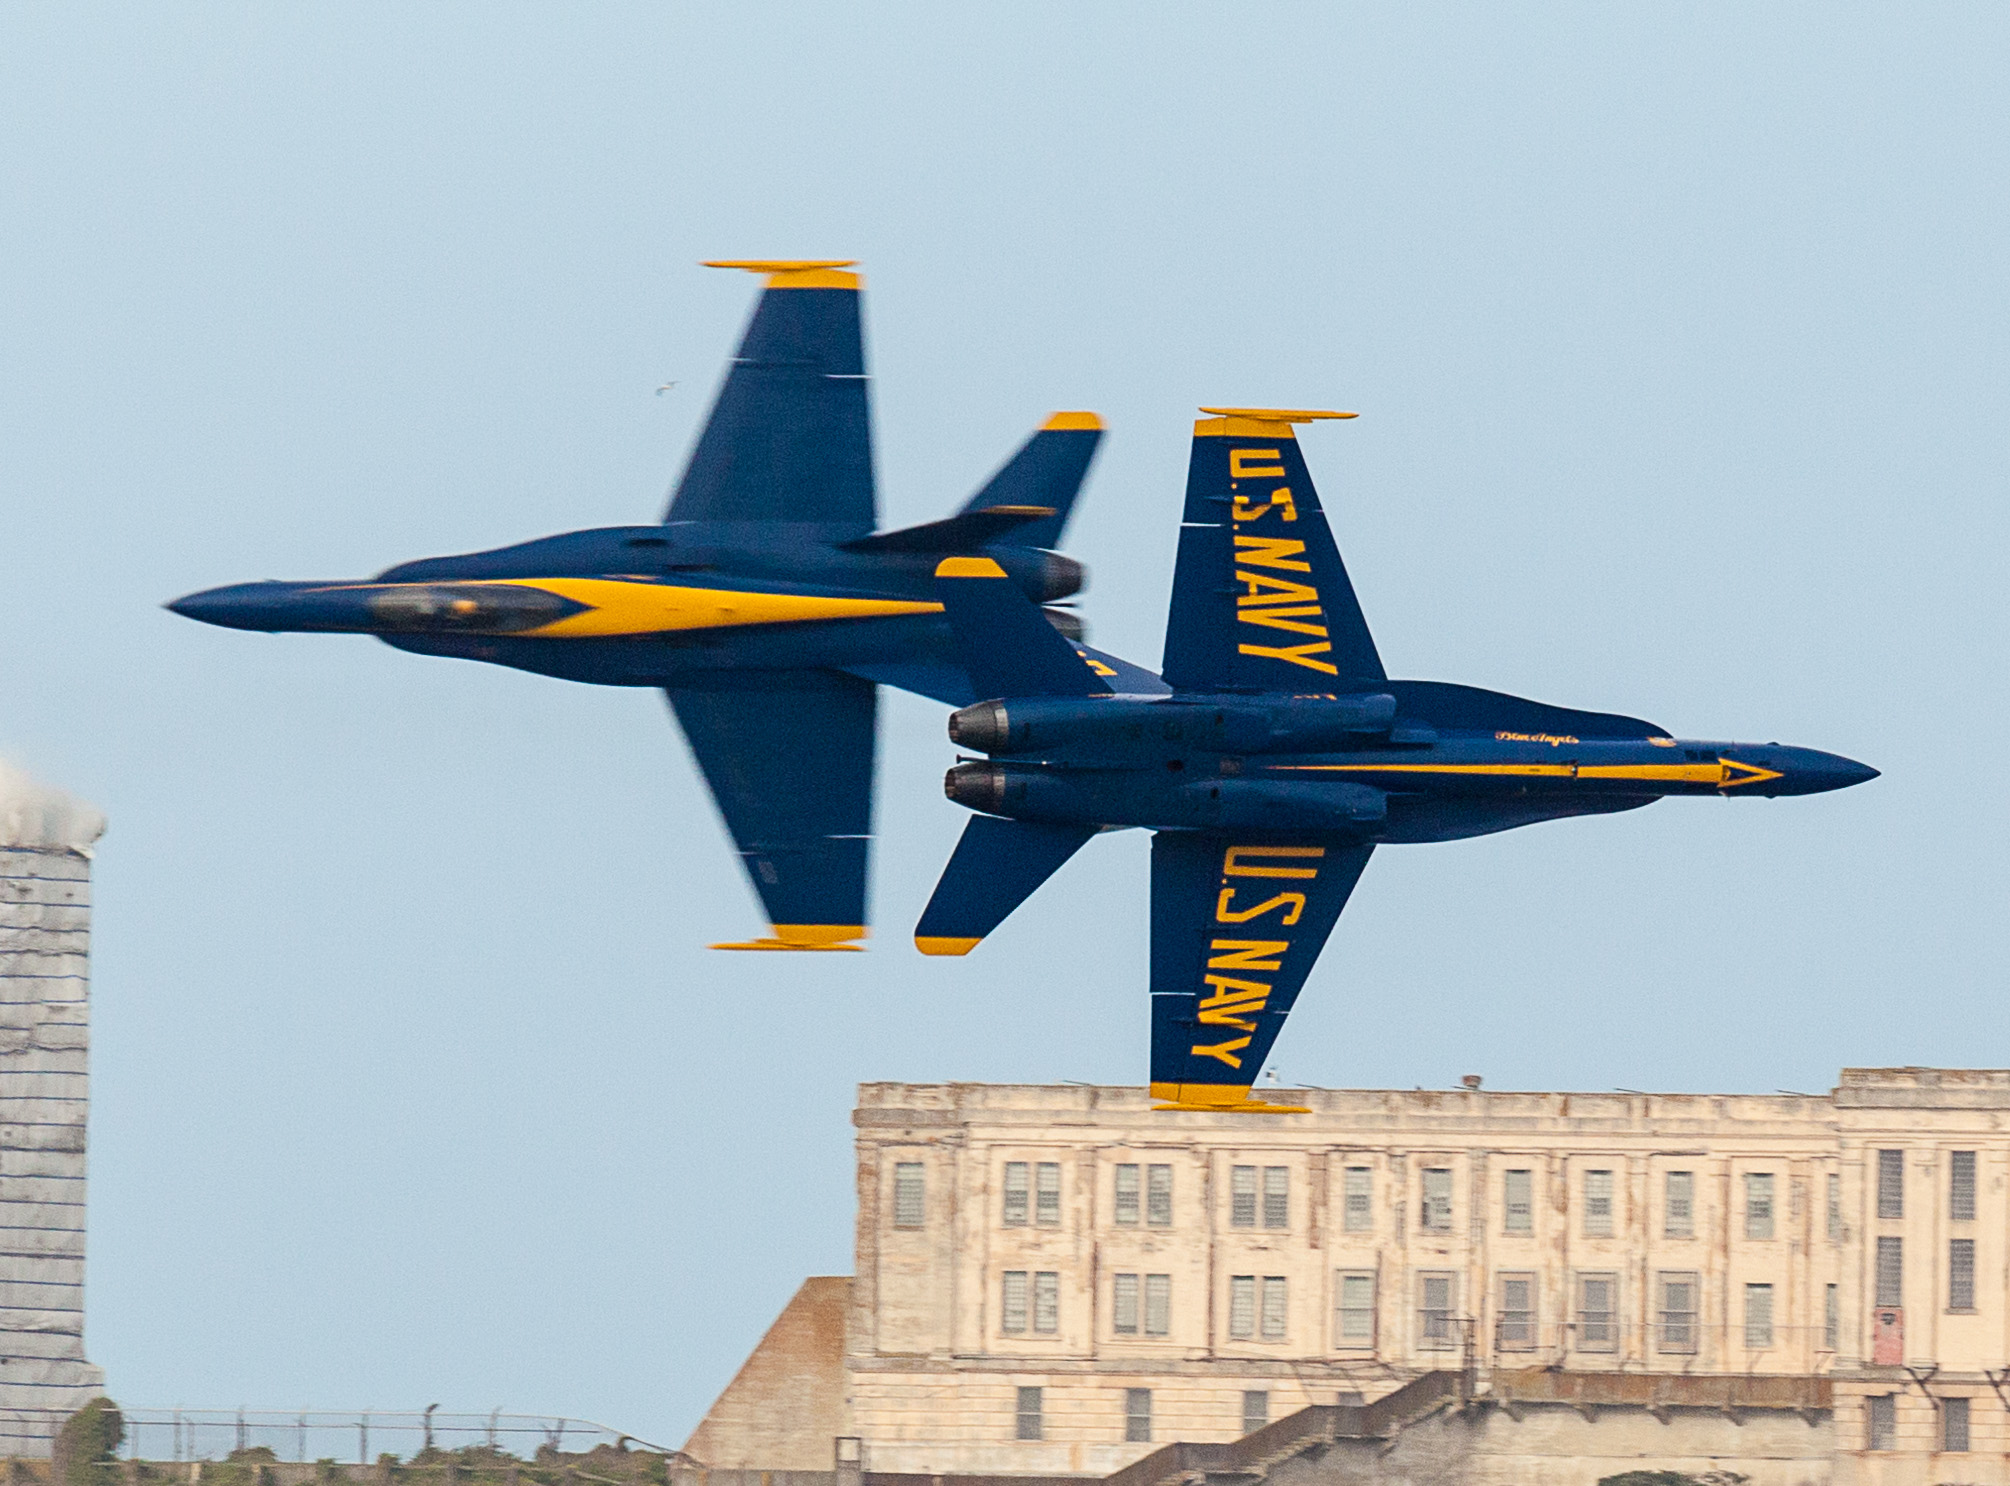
x: 88, y: 1441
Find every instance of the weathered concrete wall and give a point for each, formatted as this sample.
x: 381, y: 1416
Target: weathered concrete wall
x: 45, y: 896
x: 787, y: 1402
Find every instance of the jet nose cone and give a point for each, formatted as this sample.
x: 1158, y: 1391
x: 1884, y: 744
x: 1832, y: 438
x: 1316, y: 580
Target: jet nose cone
x: 1816, y: 773
x: 225, y: 606
x: 268, y: 606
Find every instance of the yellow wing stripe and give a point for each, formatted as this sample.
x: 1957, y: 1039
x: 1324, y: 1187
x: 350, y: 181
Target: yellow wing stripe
x: 930, y: 944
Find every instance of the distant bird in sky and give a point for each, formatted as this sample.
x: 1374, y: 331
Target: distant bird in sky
x: 665, y: 388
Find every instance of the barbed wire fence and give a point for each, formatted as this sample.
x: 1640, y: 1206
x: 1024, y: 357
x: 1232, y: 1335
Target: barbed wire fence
x: 361, y: 1436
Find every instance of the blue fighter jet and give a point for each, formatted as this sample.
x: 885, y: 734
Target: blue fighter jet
x: 765, y: 605
x: 1282, y: 757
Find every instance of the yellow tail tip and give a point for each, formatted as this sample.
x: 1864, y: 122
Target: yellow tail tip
x: 1279, y: 415
x: 968, y: 567
x: 1062, y: 422
x: 796, y: 273
x: 779, y: 265
x: 933, y: 945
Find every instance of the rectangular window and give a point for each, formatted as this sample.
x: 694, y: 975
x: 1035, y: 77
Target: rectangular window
x: 1831, y: 1317
x: 1030, y: 1415
x: 1158, y: 1304
x: 1891, y: 1184
x: 1242, y: 1197
x: 1354, y: 1310
x: 1514, y: 1326
x: 1882, y: 1415
x: 1835, y: 1207
x: 1437, y: 1298
x: 1158, y: 1196
x: 1137, y: 1416
x: 1357, y: 1215
x: 1242, y: 1306
x: 1758, y: 1204
x: 1012, y: 1310
x: 1758, y: 1316
x: 1677, y: 1323
x: 1961, y: 1188
x: 1124, y: 1305
x: 1598, y: 1204
x: 1890, y: 1272
x: 1126, y: 1210
x: 1047, y: 1302
x: 1954, y: 1424
x: 1047, y: 1194
x: 1273, y: 1308
x: 1518, y: 1202
x: 1018, y: 1194
x: 1598, y: 1313
x: 1255, y: 1409
x: 1961, y: 1274
x: 909, y: 1206
x: 1437, y: 1211
x: 1678, y: 1207
x: 1276, y: 1196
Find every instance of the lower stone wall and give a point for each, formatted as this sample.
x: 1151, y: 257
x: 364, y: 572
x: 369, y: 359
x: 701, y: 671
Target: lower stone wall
x: 1556, y: 1445
x: 965, y: 1422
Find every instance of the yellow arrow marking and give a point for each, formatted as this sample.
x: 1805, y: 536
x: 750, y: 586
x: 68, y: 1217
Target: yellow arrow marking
x: 1720, y: 774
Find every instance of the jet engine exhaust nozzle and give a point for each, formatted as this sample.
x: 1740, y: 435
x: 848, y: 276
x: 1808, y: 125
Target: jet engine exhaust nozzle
x: 983, y: 726
x: 976, y: 786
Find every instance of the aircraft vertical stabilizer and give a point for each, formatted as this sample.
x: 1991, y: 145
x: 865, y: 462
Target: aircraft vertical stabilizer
x: 1261, y: 600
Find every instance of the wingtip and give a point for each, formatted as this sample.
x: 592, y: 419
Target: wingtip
x: 931, y: 944
x: 807, y: 937
x: 1064, y: 422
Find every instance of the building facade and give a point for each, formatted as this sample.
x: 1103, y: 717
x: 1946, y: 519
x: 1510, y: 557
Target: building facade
x: 1055, y: 1280
x: 45, y: 913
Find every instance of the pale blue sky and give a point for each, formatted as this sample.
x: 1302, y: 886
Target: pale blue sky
x: 1679, y: 337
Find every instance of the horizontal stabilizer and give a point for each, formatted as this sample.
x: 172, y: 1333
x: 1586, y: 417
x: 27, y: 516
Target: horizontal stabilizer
x: 1047, y: 471
x: 998, y: 865
x: 966, y: 532
x: 1005, y: 641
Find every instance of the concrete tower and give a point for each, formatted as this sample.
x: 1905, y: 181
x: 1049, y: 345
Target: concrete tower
x: 45, y: 932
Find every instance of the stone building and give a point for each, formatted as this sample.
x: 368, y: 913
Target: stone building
x: 45, y: 930
x: 1057, y: 1280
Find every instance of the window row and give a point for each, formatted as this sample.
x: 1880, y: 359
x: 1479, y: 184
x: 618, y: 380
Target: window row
x: 1260, y: 1196
x: 1030, y: 1413
x: 1960, y: 1185
x: 1952, y: 1413
x: 1259, y: 1309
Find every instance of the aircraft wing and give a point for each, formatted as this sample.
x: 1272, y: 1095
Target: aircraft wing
x: 788, y: 437
x: 1237, y: 924
x: 788, y: 756
x: 1261, y: 600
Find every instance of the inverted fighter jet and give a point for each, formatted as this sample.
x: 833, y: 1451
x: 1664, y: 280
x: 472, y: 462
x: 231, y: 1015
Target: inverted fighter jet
x: 765, y: 605
x: 1282, y: 758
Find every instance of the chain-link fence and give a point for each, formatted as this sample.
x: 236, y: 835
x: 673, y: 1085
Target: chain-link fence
x: 361, y: 1436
